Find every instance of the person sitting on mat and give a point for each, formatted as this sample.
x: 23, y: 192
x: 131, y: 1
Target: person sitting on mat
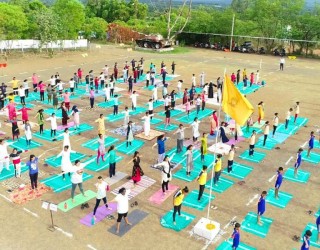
x: 177, y: 202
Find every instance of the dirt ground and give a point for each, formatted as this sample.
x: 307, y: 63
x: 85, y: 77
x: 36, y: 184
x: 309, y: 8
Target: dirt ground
x: 298, y: 82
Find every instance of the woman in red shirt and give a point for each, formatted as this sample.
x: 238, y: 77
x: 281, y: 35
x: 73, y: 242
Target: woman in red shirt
x: 80, y: 75
x: 42, y: 88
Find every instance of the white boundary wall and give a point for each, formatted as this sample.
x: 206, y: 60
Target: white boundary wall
x: 35, y: 44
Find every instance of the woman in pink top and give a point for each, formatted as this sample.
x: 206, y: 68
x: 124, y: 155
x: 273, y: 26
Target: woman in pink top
x: 213, y: 123
x: 24, y: 113
x: 66, y: 99
x: 35, y: 81
x: 188, y: 107
x: 80, y: 75
x: 91, y: 96
x: 42, y: 88
x: 11, y: 110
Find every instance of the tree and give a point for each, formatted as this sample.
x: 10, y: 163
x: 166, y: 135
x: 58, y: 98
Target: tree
x: 13, y: 21
x: 96, y: 27
x: 71, y: 16
x: 240, y: 5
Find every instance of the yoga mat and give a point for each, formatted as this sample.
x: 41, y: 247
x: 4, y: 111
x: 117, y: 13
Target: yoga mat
x: 317, y: 213
x: 208, y: 160
x: 249, y: 90
x: 192, y: 200
x: 234, y: 142
x: 6, y: 174
x: 257, y: 125
x: 138, y: 111
x: 269, y: 145
x: 247, y: 135
x: 56, y: 162
x: 278, y: 138
x: 301, y: 121
x: 152, y: 135
x: 292, y: 129
x: 257, y: 156
x: 108, y: 104
x: 223, y: 185
x: 239, y: 171
x: 46, y: 135
x: 227, y: 245
x: 139, y: 188
x: 136, y: 145
x: 150, y: 87
x: 313, y: 158
x: 19, y: 196
x: 158, y: 197
x: 154, y: 121
x: 113, y: 118
x: 49, y: 112
x: 170, y: 127
x: 173, y: 113
x: 193, y: 115
x: 134, y: 218
x: 156, y: 104
x: 182, y: 174
x: 219, y: 148
x: 93, y: 144
x: 282, y: 202
x: 22, y: 144
x: 82, y: 128
x: 249, y: 224
x: 182, y: 221
x: 63, y: 127
x: 57, y: 184
x: 313, y: 239
x: 103, y: 165
x: 101, y: 213
x: 302, y: 176
x: 78, y: 200
x: 114, y: 179
x: 28, y: 105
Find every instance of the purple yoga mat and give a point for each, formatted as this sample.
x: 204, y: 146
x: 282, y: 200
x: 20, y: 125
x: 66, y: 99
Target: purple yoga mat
x: 102, y: 212
x: 233, y: 141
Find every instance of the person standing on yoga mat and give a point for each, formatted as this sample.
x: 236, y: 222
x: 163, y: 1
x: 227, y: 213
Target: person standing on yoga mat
x: 260, y: 111
x: 76, y: 117
x: 76, y: 178
x: 261, y: 206
x: 288, y: 115
x: 112, y: 160
x: 298, y: 162
x: 122, y: 200
x: 64, y: 114
x: 24, y: 113
x: 275, y: 124
x: 126, y: 117
x: 102, y: 187
x: 134, y: 97
x: 252, y: 142
x: 66, y: 99
x: 266, y: 132
x: 66, y: 164
x: 4, y: 155
x: 213, y: 122
x: 14, y: 128
x: 55, y: 100
x: 101, y: 125
x: 66, y: 138
x: 161, y: 147
x: 91, y: 98
x: 278, y: 182
x: 40, y: 119
x: 155, y: 94
x: 166, y: 174
x: 168, y: 116
x: 33, y: 165
x: 101, y: 148
x: 115, y: 104
x: 106, y: 91
x: 146, y: 124
x: 204, y: 146
x: 150, y: 108
x: 42, y: 89
x: 310, y: 143
x: 297, y: 112
x: 180, y: 138
x: 236, y: 236
x: 195, y: 130
x: 16, y: 161
x: 230, y: 158
x: 217, y: 169
x: 54, y: 125
x: 130, y: 136
x: 306, y: 240
x: 137, y: 171
x: 189, y: 159
x: 202, y: 180
x: 177, y: 202
x: 28, y: 133
x: 318, y: 227
x: 22, y: 95
x: 35, y: 81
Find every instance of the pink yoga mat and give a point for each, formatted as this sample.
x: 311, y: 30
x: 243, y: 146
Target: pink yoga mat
x: 158, y: 198
x: 69, y: 125
x: 102, y: 212
x: 233, y: 141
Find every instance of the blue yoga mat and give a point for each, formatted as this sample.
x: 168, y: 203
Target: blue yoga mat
x: 7, y: 174
x: 22, y: 144
x: 192, y: 200
x: 56, y: 162
x: 257, y: 156
x: 222, y: 185
x: 239, y: 171
x: 249, y: 224
x: 302, y: 177
x: 93, y: 144
x: 182, y: 221
x: 136, y: 145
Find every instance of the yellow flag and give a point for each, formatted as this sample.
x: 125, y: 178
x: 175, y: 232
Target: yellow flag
x: 234, y: 103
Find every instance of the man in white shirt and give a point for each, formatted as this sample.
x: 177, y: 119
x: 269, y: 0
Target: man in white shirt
x: 147, y: 79
x: 4, y: 156
x: 252, y: 142
x: 275, y: 124
x: 22, y: 95
x: 266, y: 132
x: 105, y: 71
x: 282, y: 62
x: 26, y: 87
x: 297, y: 108
x: 288, y: 114
x: 76, y: 178
x: 122, y: 200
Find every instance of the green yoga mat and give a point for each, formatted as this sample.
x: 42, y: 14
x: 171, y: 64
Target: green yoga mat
x: 301, y: 121
x: 248, y: 134
x: 282, y: 202
x: 313, y: 238
x: 291, y: 130
x: 222, y: 185
x: 46, y: 135
x: 6, y: 174
x: 93, y: 166
x: 196, y: 156
x: 193, y: 115
x: 82, y: 128
x: 239, y: 171
x: 182, y: 174
x: 22, y: 144
x: 314, y: 158
x: 154, y: 121
x: 227, y: 245
x: 58, y: 184
x: 113, y: 118
x: 173, y: 113
x: 109, y: 104
x: 28, y: 105
x: 177, y: 157
x: 49, y: 112
x: 192, y: 200
x: 258, y: 125
x: 93, y: 144
x: 269, y: 145
x: 182, y: 221
x: 136, y: 145
x: 170, y: 127
x: 156, y: 104
x: 302, y: 177
x: 249, y: 224
x: 150, y: 87
x: 56, y: 162
x: 137, y: 111
x: 78, y: 200
x: 278, y: 138
x: 208, y: 160
x: 257, y: 156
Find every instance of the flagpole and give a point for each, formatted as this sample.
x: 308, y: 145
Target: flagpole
x: 215, y: 153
